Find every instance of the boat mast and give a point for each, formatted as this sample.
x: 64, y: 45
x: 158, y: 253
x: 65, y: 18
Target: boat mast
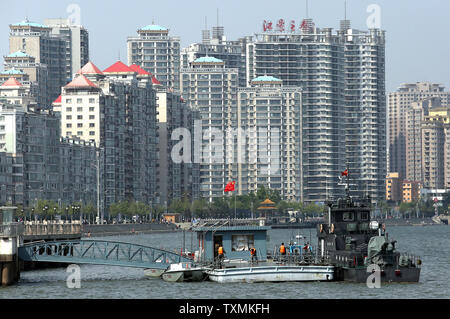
x: 348, y: 182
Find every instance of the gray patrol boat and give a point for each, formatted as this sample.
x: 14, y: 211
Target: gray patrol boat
x: 359, y: 247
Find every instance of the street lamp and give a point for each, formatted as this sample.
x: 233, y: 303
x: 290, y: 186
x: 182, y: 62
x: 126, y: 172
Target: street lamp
x: 76, y: 208
x: 44, y: 210
x: 97, y: 166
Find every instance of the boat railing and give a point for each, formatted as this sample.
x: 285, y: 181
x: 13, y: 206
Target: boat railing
x: 300, y: 257
x: 408, y: 260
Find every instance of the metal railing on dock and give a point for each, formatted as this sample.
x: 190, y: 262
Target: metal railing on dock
x: 52, y: 228
x: 40, y: 229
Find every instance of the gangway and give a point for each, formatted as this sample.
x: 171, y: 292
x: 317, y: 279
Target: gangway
x: 99, y: 252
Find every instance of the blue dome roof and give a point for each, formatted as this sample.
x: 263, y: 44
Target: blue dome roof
x: 266, y: 78
x: 12, y: 71
x: 154, y: 27
x: 31, y: 24
x: 209, y: 59
x: 18, y: 54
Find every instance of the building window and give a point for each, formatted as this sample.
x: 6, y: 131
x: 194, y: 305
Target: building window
x: 242, y: 242
x: 79, y: 101
x: 347, y: 216
x: 79, y: 109
x: 79, y: 133
x: 69, y: 109
x: 91, y: 100
x: 91, y: 133
x: 80, y: 125
x: 69, y: 133
x: 79, y: 117
x: 91, y: 117
x: 91, y: 109
x: 68, y: 125
x: 91, y: 124
x: 68, y: 117
x: 69, y: 101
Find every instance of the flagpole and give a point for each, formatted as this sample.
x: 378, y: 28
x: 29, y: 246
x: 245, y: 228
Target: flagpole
x: 235, y: 206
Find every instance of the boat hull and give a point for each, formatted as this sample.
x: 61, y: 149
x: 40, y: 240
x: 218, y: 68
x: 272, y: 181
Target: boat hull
x: 360, y: 275
x: 153, y: 273
x: 184, y: 275
x: 272, y: 274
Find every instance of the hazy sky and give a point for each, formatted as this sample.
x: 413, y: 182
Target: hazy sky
x: 418, y: 38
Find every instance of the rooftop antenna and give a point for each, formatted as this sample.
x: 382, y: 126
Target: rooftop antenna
x: 206, y: 23
x: 119, y: 54
x: 217, y: 16
x: 307, y: 13
x: 345, y: 10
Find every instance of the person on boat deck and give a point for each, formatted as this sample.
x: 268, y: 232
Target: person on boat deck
x: 306, y: 247
x: 220, y: 254
x: 253, y: 254
x: 282, y: 249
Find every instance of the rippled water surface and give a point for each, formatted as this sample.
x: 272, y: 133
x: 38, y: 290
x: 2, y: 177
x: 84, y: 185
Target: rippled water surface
x: 430, y: 242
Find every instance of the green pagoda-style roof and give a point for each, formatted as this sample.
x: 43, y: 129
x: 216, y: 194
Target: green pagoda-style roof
x: 208, y: 59
x: 12, y: 71
x: 18, y: 54
x: 30, y: 24
x: 153, y: 27
x: 266, y: 78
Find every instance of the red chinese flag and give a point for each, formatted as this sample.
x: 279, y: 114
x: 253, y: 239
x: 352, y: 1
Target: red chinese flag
x: 344, y: 173
x: 230, y: 187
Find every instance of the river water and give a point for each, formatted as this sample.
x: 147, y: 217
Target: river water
x: 430, y: 242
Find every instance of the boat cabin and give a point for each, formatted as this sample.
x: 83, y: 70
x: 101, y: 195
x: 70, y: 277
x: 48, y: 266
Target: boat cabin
x: 347, y: 231
x: 236, y: 237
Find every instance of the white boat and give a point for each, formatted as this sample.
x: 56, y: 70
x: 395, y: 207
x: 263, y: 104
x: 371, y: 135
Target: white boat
x: 184, y: 272
x: 153, y: 273
x: 272, y: 273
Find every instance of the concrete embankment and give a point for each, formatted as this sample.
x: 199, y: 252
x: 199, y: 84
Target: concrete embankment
x: 126, y: 229
x: 407, y: 222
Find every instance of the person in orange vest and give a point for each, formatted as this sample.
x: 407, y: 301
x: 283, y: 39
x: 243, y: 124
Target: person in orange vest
x: 220, y: 254
x: 282, y: 250
x: 253, y: 254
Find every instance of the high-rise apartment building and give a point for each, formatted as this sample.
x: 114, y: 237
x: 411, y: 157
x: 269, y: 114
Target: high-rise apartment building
x: 42, y: 166
x: 177, y: 178
x: 433, y: 139
x: 37, y: 41
x: 211, y: 88
x: 343, y: 102
x: 315, y: 62
x: 410, y: 191
x: 398, y: 104
x: 76, y: 43
x: 267, y: 151
x: 116, y: 109
x: 415, y: 115
x: 435, y: 148
x: 77, y: 171
x: 6, y: 190
x: 393, y: 187
x: 231, y: 52
x: 25, y: 69
x: 365, y: 106
x: 158, y: 53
